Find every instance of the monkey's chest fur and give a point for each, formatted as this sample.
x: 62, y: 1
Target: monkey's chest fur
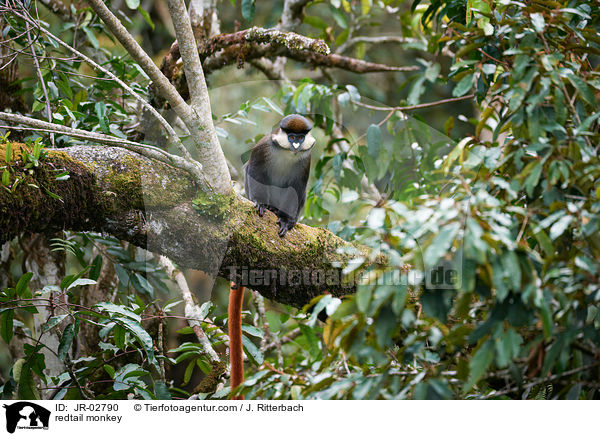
x: 277, y: 178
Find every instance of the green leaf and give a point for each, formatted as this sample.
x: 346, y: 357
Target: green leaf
x: 339, y: 17
x: 251, y: 330
x: 481, y: 360
x: 38, y: 106
x: 463, y: 86
x: 189, y: 370
x: 142, y: 285
x: 252, y: 351
x: 560, y: 108
x: 538, y: 22
x: 203, y: 365
x: 117, y: 309
x: 91, y: 37
x: 342, y: 37
x: 27, y: 389
x: 248, y: 9
x: 100, y: 108
x: 533, y: 178
x: 96, y: 267
x: 139, y: 333
x: 8, y: 154
x: 385, y: 325
x: 23, y: 283
x: 432, y: 72
x: 6, y: 325
x: 109, y: 370
x: 119, y: 336
x: 416, y: 90
x: 559, y: 227
x: 315, y: 21
x: 64, y: 284
x: 81, y: 282
x: 363, y: 297
x: 146, y: 16
x: 161, y: 391
x: 440, y: 244
x: 374, y: 140
x: 66, y: 339
x: 507, y: 347
x: 313, y: 342
x: 547, y: 322
x: 370, y: 164
x: 52, y: 322
x: 584, y: 90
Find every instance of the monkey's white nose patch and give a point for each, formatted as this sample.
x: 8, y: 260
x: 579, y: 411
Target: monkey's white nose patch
x: 296, y: 144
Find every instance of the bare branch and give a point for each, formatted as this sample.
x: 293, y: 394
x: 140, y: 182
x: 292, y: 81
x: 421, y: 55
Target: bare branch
x: 254, y: 43
x: 204, y: 19
x: 38, y: 70
x: 192, y: 311
x: 233, y: 54
x: 145, y: 150
x: 190, y: 58
x: 292, y: 15
x: 209, y: 151
x: 414, y: 107
x: 171, y: 134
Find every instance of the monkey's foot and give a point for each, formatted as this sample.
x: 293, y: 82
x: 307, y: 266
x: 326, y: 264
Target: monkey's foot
x: 284, y: 226
x: 260, y: 208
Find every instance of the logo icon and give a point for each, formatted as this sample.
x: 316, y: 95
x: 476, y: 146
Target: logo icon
x: 26, y: 415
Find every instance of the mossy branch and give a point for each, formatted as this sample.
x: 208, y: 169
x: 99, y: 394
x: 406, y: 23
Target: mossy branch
x: 161, y: 208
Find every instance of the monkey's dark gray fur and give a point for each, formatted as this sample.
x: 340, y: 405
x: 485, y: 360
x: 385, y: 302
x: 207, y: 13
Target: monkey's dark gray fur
x: 277, y: 171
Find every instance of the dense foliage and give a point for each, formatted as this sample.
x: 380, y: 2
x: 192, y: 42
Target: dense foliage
x: 490, y: 229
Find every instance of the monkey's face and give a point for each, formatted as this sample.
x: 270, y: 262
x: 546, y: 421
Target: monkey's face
x: 294, y: 141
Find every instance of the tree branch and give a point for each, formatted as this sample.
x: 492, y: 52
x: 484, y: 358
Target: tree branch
x: 151, y: 205
x: 254, y: 43
x: 292, y: 15
x: 192, y: 311
x: 210, y: 154
x: 38, y: 70
x: 414, y: 107
x: 171, y: 134
x: 149, y: 151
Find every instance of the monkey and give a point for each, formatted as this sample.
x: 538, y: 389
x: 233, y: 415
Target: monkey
x: 277, y: 171
x: 276, y: 177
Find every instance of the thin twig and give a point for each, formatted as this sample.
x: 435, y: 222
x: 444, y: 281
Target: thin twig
x: 414, y: 107
x: 542, y: 380
x: 42, y: 82
x: 191, y: 308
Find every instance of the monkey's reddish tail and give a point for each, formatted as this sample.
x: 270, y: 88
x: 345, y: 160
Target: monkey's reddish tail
x: 236, y: 297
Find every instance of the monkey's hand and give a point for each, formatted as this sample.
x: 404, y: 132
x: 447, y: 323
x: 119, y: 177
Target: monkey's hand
x: 260, y: 208
x: 285, y: 224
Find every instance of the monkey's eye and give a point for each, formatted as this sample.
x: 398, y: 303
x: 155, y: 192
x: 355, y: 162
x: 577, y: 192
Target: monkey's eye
x: 295, y: 138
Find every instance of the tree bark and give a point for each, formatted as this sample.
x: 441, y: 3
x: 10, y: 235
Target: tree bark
x: 160, y: 208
